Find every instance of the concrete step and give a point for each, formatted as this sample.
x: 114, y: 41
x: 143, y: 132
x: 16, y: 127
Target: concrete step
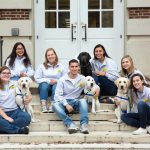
x: 105, y: 146
x: 93, y: 126
x: 110, y: 107
x: 52, y: 116
x: 116, y: 137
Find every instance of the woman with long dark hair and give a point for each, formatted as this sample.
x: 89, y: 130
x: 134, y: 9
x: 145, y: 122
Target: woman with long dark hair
x: 19, y: 62
x: 105, y: 71
x: 140, y: 115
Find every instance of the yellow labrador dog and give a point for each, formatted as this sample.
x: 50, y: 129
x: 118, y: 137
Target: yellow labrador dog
x: 122, y: 98
x: 22, y: 90
x: 90, y: 89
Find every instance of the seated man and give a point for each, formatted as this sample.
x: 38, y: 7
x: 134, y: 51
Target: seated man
x: 67, y: 99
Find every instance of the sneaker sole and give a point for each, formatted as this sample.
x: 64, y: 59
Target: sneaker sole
x: 85, y: 132
x: 71, y: 131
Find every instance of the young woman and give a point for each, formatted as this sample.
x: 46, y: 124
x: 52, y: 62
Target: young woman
x: 12, y: 119
x: 105, y: 71
x: 47, y: 75
x: 127, y: 67
x: 19, y: 63
x: 140, y: 117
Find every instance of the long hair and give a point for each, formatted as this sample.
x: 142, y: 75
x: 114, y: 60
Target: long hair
x: 13, y: 56
x: 101, y: 46
x: 46, y: 60
x: 142, y: 78
x: 1, y: 70
x: 124, y: 71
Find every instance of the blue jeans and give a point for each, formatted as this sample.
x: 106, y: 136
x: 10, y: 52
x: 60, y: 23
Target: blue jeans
x: 107, y: 87
x: 140, y: 119
x: 46, y: 90
x: 21, y: 119
x: 78, y: 106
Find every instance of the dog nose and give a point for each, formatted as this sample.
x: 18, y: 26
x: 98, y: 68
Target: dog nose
x: 91, y: 84
x: 23, y: 85
x: 122, y: 87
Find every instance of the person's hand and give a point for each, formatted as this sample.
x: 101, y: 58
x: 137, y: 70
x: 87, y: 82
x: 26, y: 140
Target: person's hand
x: 22, y: 74
x: 69, y: 108
x: 10, y: 119
x: 28, y: 99
x: 52, y: 82
x: 100, y: 73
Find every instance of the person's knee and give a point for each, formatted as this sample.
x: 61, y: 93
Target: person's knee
x: 27, y: 118
x: 83, y: 103
x: 141, y: 105
x: 43, y: 86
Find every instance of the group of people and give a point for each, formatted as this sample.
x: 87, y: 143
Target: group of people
x: 66, y: 96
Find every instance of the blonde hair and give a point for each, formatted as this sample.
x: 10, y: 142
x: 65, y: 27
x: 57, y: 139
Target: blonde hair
x: 131, y: 69
x: 46, y: 60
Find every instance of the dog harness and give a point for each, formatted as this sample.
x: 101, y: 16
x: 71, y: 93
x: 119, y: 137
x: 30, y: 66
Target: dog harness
x: 20, y: 94
x: 123, y: 98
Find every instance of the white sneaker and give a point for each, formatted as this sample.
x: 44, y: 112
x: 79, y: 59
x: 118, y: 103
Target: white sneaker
x: 50, y: 109
x: 44, y: 109
x: 139, y: 131
x: 148, y: 129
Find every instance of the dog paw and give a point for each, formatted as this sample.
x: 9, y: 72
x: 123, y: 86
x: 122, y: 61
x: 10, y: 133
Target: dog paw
x: 119, y: 121
x: 94, y: 112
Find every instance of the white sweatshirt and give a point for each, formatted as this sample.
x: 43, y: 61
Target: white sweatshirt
x: 45, y: 75
x: 141, y: 96
x: 7, y: 97
x: 68, y: 88
x: 109, y: 66
x: 19, y: 67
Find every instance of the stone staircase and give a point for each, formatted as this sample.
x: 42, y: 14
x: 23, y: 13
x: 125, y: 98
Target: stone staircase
x: 50, y: 134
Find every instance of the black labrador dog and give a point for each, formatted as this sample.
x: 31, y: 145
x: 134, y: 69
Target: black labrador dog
x: 85, y: 65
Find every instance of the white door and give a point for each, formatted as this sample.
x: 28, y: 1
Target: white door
x: 73, y: 26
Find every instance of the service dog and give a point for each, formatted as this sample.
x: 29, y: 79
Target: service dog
x: 90, y: 89
x: 22, y: 90
x: 85, y: 65
x: 122, y: 98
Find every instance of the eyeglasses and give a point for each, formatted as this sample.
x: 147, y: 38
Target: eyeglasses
x: 5, y: 73
x: 19, y: 48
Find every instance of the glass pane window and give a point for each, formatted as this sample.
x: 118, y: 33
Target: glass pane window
x: 107, y: 4
x: 50, y: 20
x: 64, y: 4
x: 93, y: 19
x: 57, y: 13
x: 93, y: 4
x: 107, y: 19
x: 100, y: 13
x: 64, y: 20
x: 50, y: 4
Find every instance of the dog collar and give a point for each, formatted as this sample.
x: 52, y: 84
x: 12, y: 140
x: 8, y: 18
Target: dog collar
x: 123, y: 98
x: 89, y: 94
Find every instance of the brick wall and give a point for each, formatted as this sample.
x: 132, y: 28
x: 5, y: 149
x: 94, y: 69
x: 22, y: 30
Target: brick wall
x: 139, y: 13
x: 14, y: 14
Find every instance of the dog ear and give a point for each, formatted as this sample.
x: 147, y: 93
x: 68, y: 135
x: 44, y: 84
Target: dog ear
x: 116, y: 82
x: 89, y: 56
x: 30, y: 81
x: 79, y: 56
x: 19, y: 82
x: 128, y: 82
